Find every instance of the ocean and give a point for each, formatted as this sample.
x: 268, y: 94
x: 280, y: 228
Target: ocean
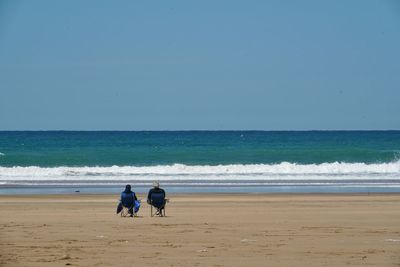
x: 200, y: 161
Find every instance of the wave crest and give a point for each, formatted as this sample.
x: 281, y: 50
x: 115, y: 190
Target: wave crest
x: 179, y: 171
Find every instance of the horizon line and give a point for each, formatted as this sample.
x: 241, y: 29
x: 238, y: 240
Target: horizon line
x: 211, y: 130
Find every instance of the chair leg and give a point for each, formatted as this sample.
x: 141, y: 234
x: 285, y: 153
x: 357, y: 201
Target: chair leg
x: 151, y: 210
x: 162, y: 212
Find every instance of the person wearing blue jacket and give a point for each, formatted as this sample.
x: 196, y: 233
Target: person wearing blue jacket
x: 129, y: 200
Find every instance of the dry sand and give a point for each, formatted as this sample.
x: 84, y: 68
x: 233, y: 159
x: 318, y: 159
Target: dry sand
x: 202, y: 230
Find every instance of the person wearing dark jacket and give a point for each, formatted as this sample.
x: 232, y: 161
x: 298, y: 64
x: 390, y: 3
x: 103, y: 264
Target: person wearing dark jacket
x: 129, y: 200
x: 156, y: 190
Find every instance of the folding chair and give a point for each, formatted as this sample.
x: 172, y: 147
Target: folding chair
x: 125, y: 211
x: 158, y: 202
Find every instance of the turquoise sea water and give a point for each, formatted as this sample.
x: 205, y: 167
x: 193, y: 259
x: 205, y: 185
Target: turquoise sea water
x: 232, y: 160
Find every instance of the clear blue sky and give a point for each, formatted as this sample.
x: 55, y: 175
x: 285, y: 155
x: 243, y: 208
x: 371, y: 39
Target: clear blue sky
x: 164, y: 65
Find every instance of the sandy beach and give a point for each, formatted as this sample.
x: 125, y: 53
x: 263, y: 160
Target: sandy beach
x: 202, y: 230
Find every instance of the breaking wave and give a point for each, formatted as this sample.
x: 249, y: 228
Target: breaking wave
x: 282, y: 172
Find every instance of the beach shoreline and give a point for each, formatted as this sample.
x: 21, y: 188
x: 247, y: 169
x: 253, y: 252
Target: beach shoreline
x: 202, y: 230
x: 215, y: 189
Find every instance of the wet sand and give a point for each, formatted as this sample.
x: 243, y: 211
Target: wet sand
x: 202, y: 230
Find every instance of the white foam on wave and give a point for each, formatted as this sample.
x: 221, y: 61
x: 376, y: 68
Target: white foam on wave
x: 2, y: 154
x: 284, y: 170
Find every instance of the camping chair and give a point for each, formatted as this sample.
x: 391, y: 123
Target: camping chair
x: 158, y: 201
x: 128, y: 204
x: 125, y: 211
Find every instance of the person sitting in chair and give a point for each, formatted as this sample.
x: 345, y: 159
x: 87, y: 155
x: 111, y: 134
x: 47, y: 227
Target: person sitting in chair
x: 129, y: 200
x: 156, y: 198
